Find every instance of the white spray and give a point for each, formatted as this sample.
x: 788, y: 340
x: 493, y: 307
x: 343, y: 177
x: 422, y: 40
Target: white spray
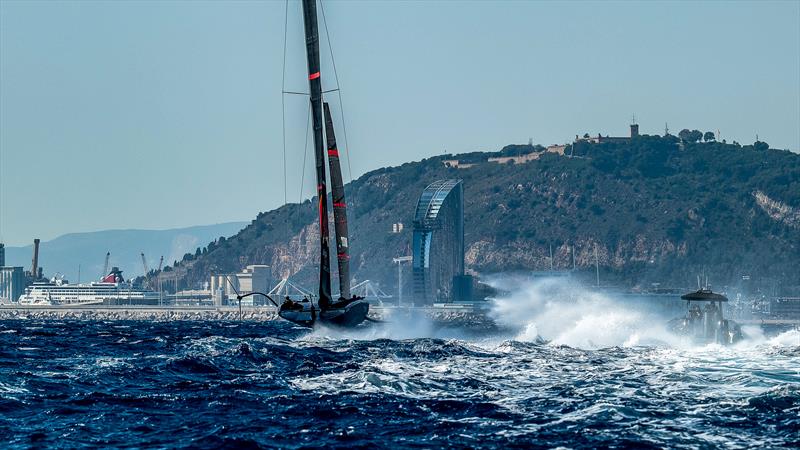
x: 560, y: 310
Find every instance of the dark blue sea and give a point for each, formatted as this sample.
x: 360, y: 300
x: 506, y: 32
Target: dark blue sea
x: 94, y: 384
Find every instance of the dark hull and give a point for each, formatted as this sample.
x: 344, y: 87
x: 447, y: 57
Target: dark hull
x: 305, y: 317
x: 347, y: 315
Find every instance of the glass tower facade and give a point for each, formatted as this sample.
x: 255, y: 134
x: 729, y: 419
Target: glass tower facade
x: 438, y: 241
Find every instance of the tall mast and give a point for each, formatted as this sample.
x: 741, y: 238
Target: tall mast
x: 315, y: 84
x: 339, y: 207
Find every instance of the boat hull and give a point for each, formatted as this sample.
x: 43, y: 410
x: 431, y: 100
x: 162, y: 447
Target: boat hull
x: 723, y: 332
x: 351, y: 315
x: 345, y: 316
x: 304, y: 318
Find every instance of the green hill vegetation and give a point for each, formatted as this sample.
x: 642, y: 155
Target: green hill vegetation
x: 654, y: 209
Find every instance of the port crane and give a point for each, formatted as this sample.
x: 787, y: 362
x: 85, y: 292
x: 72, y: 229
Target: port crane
x: 144, y: 265
x: 105, y: 265
x: 146, y: 270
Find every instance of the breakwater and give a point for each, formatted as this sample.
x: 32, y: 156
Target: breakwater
x: 135, y: 313
x: 450, y: 315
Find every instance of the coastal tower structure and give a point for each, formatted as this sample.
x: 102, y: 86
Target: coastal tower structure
x: 438, y: 242
x: 634, y: 128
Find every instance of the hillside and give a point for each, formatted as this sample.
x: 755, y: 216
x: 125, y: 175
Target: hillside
x: 64, y: 253
x: 656, y: 209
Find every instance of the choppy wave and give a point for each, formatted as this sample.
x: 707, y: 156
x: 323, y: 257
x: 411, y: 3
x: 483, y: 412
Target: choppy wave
x: 221, y: 384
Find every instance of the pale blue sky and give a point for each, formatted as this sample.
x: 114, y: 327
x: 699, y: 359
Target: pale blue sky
x: 156, y: 114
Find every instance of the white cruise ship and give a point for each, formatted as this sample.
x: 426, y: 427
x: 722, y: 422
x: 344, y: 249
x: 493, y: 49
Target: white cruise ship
x: 111, y: 290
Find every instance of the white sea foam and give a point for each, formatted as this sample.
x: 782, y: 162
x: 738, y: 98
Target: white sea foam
x: 557, y: 310
x: 564, y: 312
x: 789, y: 338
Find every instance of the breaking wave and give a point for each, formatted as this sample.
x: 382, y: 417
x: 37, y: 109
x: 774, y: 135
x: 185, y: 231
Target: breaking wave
x: 563, y: 312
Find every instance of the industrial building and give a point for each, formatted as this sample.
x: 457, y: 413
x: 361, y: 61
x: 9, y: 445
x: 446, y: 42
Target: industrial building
x: 438, y: 243
x: 12, y: 283
x: 254, y: 278
x: 12, y: 279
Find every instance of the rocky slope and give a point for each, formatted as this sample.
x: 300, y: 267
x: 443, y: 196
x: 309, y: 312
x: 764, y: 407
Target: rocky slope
x: 656, y: 210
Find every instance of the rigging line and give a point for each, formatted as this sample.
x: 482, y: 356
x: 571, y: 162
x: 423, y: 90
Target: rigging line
x: 305, y: 154
x: 283, y: 100
x: 341, y: 106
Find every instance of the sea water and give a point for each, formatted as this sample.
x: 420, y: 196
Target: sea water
x: 562, y: 377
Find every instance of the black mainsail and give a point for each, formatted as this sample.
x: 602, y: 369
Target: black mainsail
x: 346, y: 311
x: 315, y: 84
x: 339, y: 207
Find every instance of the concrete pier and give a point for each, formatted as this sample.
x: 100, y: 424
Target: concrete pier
x: 450, y: 314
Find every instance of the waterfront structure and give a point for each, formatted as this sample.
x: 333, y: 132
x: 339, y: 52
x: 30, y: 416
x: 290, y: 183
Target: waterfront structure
x: 785, y: 308
x: 2, y: 254
x: 438, y: 242
x: 12, y: 283
x: 253, y: 278
x: 58, y: 292
x: 223, y: 287
x: 190, y: 297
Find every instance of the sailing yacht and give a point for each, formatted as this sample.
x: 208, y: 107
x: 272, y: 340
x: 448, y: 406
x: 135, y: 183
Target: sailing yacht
x: 348, y: 310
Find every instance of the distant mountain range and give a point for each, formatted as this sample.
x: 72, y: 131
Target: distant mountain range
x: 656, y: 209
x: 65, y: 253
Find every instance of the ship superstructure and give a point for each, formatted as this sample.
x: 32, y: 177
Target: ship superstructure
x: 111, y: 290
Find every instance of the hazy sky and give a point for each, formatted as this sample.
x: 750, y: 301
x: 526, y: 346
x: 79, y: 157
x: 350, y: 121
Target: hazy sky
x: 157, y: 114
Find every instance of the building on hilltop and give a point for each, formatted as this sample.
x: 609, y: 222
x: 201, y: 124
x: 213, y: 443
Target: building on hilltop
x: 599, y: 139
x: 519, y: 158
x: 457, y: 164
x: 438, y: 242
